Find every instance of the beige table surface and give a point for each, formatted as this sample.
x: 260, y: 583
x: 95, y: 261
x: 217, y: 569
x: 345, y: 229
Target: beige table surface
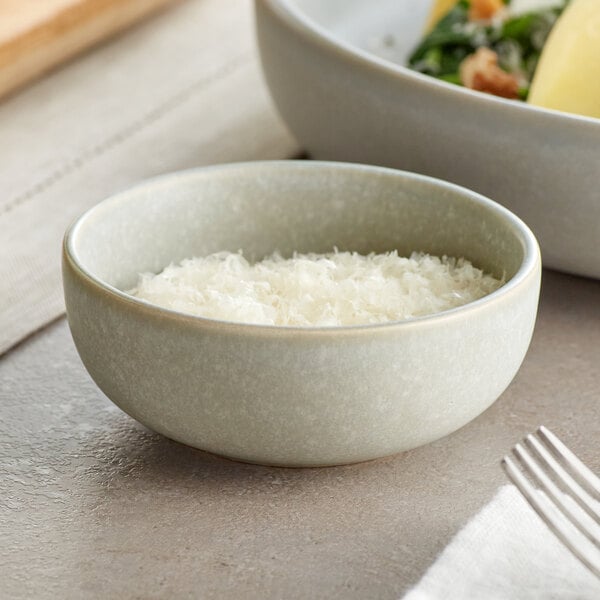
x: 92, y: 505
x: 95, y: 506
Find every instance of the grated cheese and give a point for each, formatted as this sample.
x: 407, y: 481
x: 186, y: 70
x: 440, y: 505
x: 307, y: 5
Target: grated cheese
x: 316, y: 290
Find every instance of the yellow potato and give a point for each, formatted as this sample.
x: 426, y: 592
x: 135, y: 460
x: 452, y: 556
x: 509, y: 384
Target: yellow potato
x: 439, y: 9
x: 568, y: 75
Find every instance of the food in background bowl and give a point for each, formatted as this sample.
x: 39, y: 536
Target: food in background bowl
x: 543, y: 51
x: 344, y: 102
x: 568, y: 74
x: 489, y: 46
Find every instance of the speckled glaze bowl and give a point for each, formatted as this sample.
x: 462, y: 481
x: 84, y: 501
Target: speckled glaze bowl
x: 293, y: 396
x: 343, y: 101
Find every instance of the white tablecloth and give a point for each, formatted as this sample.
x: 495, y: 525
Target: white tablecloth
x: 506, y: 552
x: 181, y: 90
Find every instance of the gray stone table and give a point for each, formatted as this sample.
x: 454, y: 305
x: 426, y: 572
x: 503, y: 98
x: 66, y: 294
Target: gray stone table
x: 93, y: 505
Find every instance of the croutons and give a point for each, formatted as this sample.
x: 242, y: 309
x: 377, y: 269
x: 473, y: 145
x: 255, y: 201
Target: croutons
x: 484, y: 9
x: 480, y: 71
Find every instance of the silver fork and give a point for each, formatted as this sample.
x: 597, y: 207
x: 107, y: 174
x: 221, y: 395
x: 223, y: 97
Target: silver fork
x: 551, y: 477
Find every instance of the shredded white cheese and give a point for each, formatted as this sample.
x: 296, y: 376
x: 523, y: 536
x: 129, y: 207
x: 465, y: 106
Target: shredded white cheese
x: 316, y: 290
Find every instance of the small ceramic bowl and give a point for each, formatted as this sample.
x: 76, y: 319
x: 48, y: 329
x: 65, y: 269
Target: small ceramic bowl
x: 297, y: 396
x: 343, y: 101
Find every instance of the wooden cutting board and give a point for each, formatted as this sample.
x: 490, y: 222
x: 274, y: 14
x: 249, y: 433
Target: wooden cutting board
x: 36, y: 35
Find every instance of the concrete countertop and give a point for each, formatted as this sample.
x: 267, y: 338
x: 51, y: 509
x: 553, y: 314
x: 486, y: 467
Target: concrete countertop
x: 93, y: 505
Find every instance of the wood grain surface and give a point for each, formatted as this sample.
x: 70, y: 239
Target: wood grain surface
x: 36, y: 35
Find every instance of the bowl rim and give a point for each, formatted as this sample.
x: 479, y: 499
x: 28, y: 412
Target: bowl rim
x: 530, y: 264
x: 290, y: 13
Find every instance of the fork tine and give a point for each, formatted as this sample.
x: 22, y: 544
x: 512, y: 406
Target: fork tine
x: 585, y: 476
x: 552, y: 491
x: 569, y: 484
x: 556, y: 526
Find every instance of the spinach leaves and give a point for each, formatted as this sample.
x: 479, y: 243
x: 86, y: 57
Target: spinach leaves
x: 517, y: 40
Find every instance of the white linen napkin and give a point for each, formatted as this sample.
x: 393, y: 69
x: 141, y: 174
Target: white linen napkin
x: 181, y: 90
x: 506, y: 552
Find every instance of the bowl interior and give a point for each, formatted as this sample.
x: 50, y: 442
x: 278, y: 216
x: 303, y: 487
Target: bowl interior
x: 367, y: 25
x: 291, y: 206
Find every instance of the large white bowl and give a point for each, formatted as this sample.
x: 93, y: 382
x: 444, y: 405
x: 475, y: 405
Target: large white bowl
x: 343, y: 102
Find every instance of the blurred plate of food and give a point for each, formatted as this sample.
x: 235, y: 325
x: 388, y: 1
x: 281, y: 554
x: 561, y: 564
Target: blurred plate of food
x: 411, y: 85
